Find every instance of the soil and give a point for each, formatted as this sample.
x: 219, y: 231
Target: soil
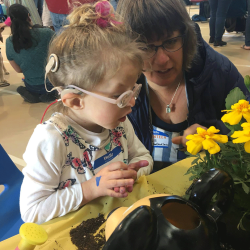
x: 83, y: 235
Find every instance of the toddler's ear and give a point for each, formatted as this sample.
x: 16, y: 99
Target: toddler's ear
x: 73, y: 101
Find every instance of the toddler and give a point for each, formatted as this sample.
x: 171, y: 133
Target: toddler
x: 78, y: 154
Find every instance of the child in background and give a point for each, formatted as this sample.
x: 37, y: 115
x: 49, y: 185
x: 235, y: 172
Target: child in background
x: 77, y: 155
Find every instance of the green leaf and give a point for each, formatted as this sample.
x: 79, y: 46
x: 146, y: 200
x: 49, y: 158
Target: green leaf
x: 189, y: 171
x: 195, y: 161
x: 246, y: 188
x: 190, y: 155
x: 233, y: 128
x: 247, y: 81
x: 240, y: 225
x: 192, y: 178
x: 233, y: 97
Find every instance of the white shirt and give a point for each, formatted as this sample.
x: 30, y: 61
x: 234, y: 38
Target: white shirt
x: 61, y: 155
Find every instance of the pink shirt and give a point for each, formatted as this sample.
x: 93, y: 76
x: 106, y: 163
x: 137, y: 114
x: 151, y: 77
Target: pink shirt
x: 8, y: 21
x: 62, y: 7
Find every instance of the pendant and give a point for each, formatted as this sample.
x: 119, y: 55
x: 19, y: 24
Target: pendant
x: 168, y: 109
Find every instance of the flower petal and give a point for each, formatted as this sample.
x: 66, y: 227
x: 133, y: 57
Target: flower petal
x: 200, y: 130
x: 237, y: 134
x: 220, y: 138
x: 213, y: 130
x: 190, y: 137
x: 245, y: 125
x: 208, y: 143
x: 246, y: 115
x: 232, y: 118
x: 214, y: 150
x: 195, y: 137
x: 241, y: 102
x: 193, y: 148
x: 242, y: 139
x: 247, y: 147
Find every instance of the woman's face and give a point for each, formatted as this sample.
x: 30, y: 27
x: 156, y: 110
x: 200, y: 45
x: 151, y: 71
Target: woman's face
x: 164, y: 68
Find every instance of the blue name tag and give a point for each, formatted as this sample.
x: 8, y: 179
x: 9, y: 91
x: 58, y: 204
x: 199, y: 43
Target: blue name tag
x: 107, y: 157
x: 161, y: 140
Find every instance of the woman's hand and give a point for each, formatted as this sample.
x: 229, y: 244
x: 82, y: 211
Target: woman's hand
x: 189, y: 131
x: 2, y: 25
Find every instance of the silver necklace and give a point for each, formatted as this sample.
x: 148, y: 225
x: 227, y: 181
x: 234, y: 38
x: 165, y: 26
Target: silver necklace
x: 168, y: 109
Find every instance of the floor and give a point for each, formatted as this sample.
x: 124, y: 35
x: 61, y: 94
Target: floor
x: 19, y: 118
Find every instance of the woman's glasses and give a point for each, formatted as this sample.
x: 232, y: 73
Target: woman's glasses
x: 170, y: 45
x: 122, y: 101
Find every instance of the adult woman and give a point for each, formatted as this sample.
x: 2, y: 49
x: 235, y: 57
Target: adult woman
x: 218, y: 12
x: 246, y: 46
x: 185, y: 82
x: 26, y: 50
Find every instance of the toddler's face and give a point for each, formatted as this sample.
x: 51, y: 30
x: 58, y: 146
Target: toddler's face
x: 98, y: 114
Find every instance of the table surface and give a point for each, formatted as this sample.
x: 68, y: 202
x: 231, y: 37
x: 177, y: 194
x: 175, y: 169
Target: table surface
x: 171, y: 180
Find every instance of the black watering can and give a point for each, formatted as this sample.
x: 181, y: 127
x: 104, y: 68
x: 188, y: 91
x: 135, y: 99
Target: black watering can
x: 163, y: 221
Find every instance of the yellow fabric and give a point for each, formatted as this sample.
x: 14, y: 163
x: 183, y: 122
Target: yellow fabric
x: 170, y: 180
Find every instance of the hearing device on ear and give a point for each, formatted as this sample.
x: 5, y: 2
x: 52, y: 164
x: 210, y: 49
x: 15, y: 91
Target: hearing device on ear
x: 53, y: 64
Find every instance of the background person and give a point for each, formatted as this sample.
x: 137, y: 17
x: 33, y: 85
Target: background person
x: 218, y: 12
x: 185, y: 82
x: 60, y: 9
x: 39, y: 5
x: 46, y: 18
x: 26, y: 50
x: 246, y: 46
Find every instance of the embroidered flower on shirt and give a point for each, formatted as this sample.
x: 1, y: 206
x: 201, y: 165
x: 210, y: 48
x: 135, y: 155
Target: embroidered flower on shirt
x: 65, y: 184
x: 73, y: 135
x: 75, y: 163
x: 116, y: 134
x: 125, y: 161
x: 65, y: 139
x: 108, y: 147
x: 93, y: 148
x: 87, y: 155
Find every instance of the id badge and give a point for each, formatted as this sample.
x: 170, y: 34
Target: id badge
x: 161, y: 139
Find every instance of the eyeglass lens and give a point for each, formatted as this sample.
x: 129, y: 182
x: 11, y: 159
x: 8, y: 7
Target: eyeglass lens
x: 127, y: 97
x: 170, y: 45
x: 125, y: 100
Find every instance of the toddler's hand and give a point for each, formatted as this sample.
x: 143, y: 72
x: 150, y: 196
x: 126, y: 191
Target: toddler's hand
x: 136, y: 166
x: 109, y: 178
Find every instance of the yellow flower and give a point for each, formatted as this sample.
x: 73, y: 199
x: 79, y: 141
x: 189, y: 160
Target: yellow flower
x: 233, y: 116
x: 243, y: 136
x: 206, y: 139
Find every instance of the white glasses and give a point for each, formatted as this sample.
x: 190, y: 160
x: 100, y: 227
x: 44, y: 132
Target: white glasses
x: 122, y: 101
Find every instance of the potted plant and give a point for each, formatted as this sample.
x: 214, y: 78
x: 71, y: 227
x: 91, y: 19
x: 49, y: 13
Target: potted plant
x: 230, y: 153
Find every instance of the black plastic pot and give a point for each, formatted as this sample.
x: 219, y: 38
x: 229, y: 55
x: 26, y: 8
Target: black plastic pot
x: 171, y: 222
